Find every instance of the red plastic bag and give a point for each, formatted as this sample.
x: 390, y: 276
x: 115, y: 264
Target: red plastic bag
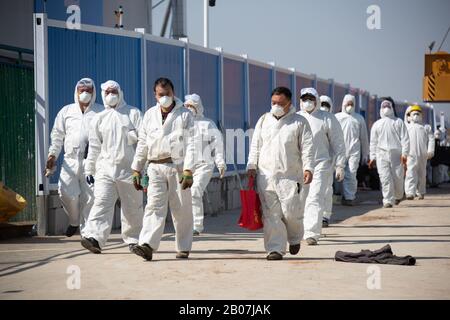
x: 251, y: 216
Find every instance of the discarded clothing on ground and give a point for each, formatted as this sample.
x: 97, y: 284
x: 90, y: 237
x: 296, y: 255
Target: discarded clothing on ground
x: 383, y: 256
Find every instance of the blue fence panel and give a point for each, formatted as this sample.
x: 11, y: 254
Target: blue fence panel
x: 339, y: 92
x: 204, y: 80
x: 323, y: 87
x: 164, y: 60
x: 260, y: 85
x: 234, y: 104
x: 284, y: 80
x: 74, y: 54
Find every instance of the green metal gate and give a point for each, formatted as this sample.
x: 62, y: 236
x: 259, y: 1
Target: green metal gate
x: 17, y: 153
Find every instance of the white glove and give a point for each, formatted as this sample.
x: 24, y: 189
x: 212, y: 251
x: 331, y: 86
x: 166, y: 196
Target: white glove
x: 222, y: 171
x: 340, y: 174
x: 430, y: 155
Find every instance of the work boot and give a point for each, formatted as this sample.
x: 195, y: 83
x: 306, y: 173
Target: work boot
x: 409, y: 197
x: 196, y: 233
x: 311, y: 241
x: 274, y: 256
x: 144, y: 251
x: 71, y: 230
x: 387, y: 205
x: 294, y: 248
x: 182, y: 254
x: 91, y: 244
x: 325, y: 223
x: 346, y: 202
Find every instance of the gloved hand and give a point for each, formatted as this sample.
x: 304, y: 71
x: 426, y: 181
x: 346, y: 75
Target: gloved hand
x: 372, y: 164
x: 340, y: 174
x: 251, y: 173
x: 222, y: 172
x: 430, y: 155
x: 307, y: 177
x: 186, y: 180
x: 50, y: 166
x: 90, y: 180
x: 137, y: 180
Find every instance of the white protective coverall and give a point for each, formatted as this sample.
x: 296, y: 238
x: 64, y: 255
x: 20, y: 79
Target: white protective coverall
x: 356, y: 145
x: 281, y: 150
x: 389, y: 140
x: 112, y: 143
x: 208, y: 151
x: 158, y: 141
x: 328, y: 141
x: 328, y: 208
x: 421, y: 141
x: 71, y: 130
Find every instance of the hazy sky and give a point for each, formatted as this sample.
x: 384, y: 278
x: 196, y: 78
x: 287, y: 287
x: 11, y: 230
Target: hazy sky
x: 330, y: 38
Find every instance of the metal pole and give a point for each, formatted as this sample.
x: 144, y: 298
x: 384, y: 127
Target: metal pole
x: 166, y: 19
x: 205, y: 24
x: 149, y: 17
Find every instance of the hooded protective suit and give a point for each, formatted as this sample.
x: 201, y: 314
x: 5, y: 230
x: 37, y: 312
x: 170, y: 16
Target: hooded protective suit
x: 281, y: 150
x: 328, y: 209
x: 157, y: 142
x: 328, y: 141
x: 389, y: 140
x: 356, y: 145
x: 421, y: 149
x: 112, y: 143
x: 71, y: 130
x: 208, y: 150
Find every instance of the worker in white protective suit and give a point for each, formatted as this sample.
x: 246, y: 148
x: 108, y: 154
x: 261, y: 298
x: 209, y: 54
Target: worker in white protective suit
x: 112, y: 143
x: 326, y: 105
x: 71, y: 131
x: 282, y: 159
x: 356, y: 145
x: 421, y: 149
x: 389, y: 149
x: 208, y: 151
x: 166, y: 142
x: 328, y: 141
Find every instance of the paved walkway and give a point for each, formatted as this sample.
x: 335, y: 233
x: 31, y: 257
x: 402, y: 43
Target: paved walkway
x: 229, y: 263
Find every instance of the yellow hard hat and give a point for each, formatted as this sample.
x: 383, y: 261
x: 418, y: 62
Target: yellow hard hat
x: 415, y: 108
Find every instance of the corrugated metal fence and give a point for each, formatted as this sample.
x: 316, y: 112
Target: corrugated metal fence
x: 17, y: 159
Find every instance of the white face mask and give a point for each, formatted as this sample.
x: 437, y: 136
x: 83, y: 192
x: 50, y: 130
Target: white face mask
x: 416, y: 118
x: 277, y: 110
x: 165, y: 101
x: 349, y: 109
x: 307, y: 105
x: 387, y: 112
x: 112, y: 99
x: 84, y: 97
x: 325, y: 109
x: 408, y: 119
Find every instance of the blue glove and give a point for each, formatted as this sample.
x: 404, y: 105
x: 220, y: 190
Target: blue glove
x: 90, y: 180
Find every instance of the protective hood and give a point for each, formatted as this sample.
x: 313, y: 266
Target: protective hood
x: 407, y: 114
x: 195, y: 100
x: 113, y: 85
x: 392, y: 116
x: 313, y: 92
x: 88, y: 83
x: 328, y: 100
x: 348, y: 98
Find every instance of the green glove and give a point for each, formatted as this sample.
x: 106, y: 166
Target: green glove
x: 186, y: 180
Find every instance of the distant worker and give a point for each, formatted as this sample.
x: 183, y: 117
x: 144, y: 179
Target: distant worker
x: 71, y: 131
x: 356, y: 144
x: 328, y: 142
x: 389, y: 149
x: 421, y: 149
